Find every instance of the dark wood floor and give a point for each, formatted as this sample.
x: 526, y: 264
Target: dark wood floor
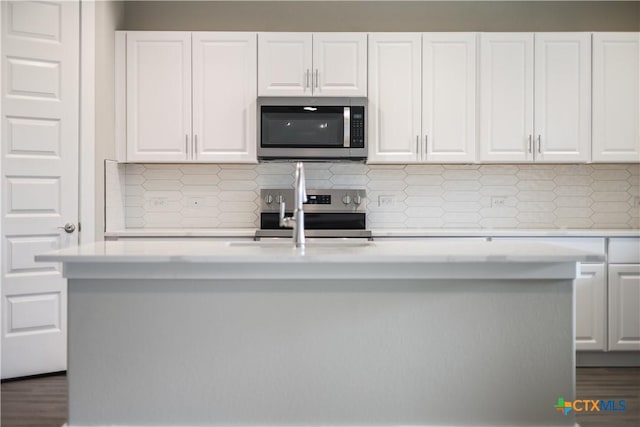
x: 42, y: 402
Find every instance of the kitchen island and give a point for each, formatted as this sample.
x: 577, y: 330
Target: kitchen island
x: 344, y: 333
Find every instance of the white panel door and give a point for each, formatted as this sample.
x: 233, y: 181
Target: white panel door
x: 339, y: 64
x: 624, y: 307
x: 224, y: 96
x: 591, y: 307
x: 562, y: 97
x: 449, y: 97
x: 506, y: 97
x: 40, y: 98
x: 284, y: 64
x: 616, y: 97
x: 394, y: 97
x: 159, y: 96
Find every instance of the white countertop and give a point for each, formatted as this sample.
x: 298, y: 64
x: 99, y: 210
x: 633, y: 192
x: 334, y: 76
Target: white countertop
x: 318, y: 251
x: 345, y: 259
x: 389, y: 232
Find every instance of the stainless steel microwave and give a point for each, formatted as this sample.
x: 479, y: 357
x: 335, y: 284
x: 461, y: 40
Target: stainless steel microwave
x: 312, y: 128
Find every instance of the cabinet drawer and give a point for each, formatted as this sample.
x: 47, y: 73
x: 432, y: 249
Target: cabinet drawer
x: 624, y: 250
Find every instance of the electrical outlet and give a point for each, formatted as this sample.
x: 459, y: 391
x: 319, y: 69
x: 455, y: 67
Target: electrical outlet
x: 386, y: 200
x: 196, y: 202
x: 498, y: 201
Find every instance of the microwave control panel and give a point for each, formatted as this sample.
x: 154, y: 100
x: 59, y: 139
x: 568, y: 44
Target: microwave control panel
x: 357, y: 127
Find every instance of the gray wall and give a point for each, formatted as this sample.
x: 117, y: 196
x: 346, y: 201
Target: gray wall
x: 109, y: 15
x: 384, y: 16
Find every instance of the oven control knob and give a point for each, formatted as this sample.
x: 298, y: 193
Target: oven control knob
x: 268, y: 199
x: 279, y: 198
x: 346, y: 199
x: 357, y: 200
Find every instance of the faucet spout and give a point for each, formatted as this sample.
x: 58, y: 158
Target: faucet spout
x: 297, y: 220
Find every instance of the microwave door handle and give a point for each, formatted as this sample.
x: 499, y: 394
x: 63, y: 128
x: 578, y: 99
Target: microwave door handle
x: 347, y: 127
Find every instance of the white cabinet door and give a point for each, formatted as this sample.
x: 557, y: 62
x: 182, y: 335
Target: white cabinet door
x: 562, y: 97
x: 339, y: 64
x: 224, y: 96
x: 591, y: 307
x: 285, y: 64
x: 506, y: 97
x: 616, y: 97
x: 394, y: 97
x: 158, y: 96
x: 449, y: 97
x: 624, y: 307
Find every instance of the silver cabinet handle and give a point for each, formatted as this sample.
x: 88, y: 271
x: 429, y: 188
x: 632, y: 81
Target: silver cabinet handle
x: 317, y: 79
x: 417, y: 146
x: 539, y: 144
x: 68, y: 227
x: 186, y: 146
x: 307, y: 78
x: 530, y: 142
x: 426, y: 146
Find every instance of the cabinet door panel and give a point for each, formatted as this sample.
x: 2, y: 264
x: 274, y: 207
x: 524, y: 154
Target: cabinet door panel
x: 449, y: 97
x: 340, y: 64
x: 591, y: 306
x: 224, y: 96
x: 616, y: 97
x: 506, y: 97
x: 394, y: 97
x: 624, y: 307
x: 158, y: 96
x: 284, y: 64
x: 562, y: 97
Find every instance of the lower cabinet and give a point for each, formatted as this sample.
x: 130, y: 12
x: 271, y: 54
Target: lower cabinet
x: 591, y: 307
x: 624, y: 307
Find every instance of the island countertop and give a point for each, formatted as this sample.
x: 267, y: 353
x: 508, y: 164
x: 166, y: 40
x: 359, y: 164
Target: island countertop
x: 321, y: 258
x: 344, y: 333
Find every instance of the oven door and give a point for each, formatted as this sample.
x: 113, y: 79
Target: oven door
x: 321, y: 127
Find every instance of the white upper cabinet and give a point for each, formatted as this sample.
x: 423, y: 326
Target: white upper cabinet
x: 422, y: 97
x: 506, y: 97
x: 340, y: 64
x: 551, y: 124
x: 394, y: 97
x: 616, y: 97
x: 306, y: 64
x: 449, y: 97
x: 158, y: 96
x: 224, y: 97
x: 562, y: 97
x: 169, y: 72
x: 285, y: 64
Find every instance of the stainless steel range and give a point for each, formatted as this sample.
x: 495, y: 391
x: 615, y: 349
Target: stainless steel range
x: 328, y: 213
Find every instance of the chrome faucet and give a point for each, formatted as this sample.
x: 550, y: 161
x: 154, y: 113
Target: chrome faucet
x: 297, y: 220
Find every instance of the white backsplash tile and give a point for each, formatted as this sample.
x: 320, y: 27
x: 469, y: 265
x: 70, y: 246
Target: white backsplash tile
x: 424, y: 196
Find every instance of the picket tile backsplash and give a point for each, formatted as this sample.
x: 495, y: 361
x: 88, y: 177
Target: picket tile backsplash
x: 399, y: 196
